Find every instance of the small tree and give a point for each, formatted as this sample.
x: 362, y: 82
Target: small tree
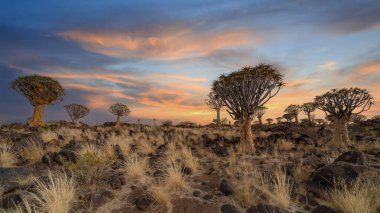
x: 260, y: 111
x: 214, y: 102
x: 294, y: 110
x: 339, y: 106
x: 269, y: 120
x: 357, y: 118
x: 167, y: 123
x: 119, y: 110
x: 307, y: 109
x: 279, y: 119
x: 243, y: 91
x: 40, y: 91
x: 76, y: 111
x: 154, y: 122
x: 288, y: 117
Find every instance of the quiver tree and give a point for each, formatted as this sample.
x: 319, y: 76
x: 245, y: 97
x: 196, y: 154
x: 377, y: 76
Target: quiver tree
x: 288, y: 117
x: 339, y: 106
x: 40, y: 91
x: 214, y: 102
x: 119, y: 110
x: 243, y: 91
x: 357, y: 118
x: 293, y: 110
x: 279, y: 119
x: 307, y: 109
x: 269, y: 120
x: 76, y: 111
x: 260, y: 111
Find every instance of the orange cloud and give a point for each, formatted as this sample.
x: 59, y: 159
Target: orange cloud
x: 369, y: 68
x: 300, y: 82
x: 180, y: 44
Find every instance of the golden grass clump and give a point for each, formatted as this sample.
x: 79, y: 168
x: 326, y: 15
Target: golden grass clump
x: 278, y: 188
x: 160, y: 194
x: 7, y: 156
x: 355, y: 197
x: 48, y: 135
x: 136, y: 167
x: 174, y: 176
x: 33, y: 151
x: 55, y: 196
x: 285, y: 146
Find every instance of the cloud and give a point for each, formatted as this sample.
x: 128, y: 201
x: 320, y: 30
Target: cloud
x: 183, y: 43
x: 300, y: 82
x: 372, y: 67
x: 329, y: 65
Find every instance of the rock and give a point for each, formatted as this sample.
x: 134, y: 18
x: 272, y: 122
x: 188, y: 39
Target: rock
x: 73, y: 145
x: 353, y: 157
x: 226, y: 187
x: 158, y: 173
x: 7, y: 174
x: 69, y: 155
x: 142, y: 203
x: 187, y: 170
x: 323, y: 209
x: 119, y: 153
x: 117, y: 181
x: 187, y: 205
x: 347, y: 171
x: 264, y: 208
x: 11, y: 200
x: 46, y: 159
x: 207, y: 197
x: 229, y: 208
x: 196, y: 193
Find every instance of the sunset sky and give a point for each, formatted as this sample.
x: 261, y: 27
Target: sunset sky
x: 160, y: 57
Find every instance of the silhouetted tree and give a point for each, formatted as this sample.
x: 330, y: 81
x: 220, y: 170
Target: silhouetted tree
x: 214, y: 102
x: 76, y: 111
x: 260, y: 111
x: 119, y: 110
x: 279, y: 119
x: 167, y: 123
x: 243, y: 91
x: 154, y: 122
x: 293, y: 110
x: 40, y: 91
x: 307, y: 109
x: 357, y: 118
x: 288, y: 117
x: 269, y: 120
x: 339, y: 105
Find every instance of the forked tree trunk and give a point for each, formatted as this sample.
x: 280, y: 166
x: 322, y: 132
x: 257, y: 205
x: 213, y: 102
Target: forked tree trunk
x: 118, y: 124
x: 37, y: 118
x: 218, y: 118
x: 260, y: 120
x: 246, y: 138
x: 340, y: 134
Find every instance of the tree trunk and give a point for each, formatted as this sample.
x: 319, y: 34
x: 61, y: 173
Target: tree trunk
x: 218, y: 118
x: 260, y: 121
x: 37, y: 118
x: 309, y: 118
x: 340, y: 134
x: 246, y: 138
x: 296, y: 118
x: 118, y: 124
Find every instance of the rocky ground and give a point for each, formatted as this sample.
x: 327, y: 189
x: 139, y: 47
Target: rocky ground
x: 166, y: 169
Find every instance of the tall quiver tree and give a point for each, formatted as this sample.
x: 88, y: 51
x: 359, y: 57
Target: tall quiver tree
x: 40, y: 91
x: 76, y: 111
x: 339, y: 105
x: 307, y: 109
x: 119, y: 110
x: 214, y: 102
x: 293, y: 110
x: 243, y: 91
x: 260, y: 111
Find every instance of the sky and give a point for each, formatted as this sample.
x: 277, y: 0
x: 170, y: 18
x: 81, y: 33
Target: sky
x: 160, y: 57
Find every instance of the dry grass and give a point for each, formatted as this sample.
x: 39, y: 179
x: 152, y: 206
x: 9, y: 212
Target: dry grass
x: 280, y: 189
x: 33, y: 151
x: 245, y: 178
x: 55, y: 196
x: 357, y: 197
x: 300, y: 174
x: 136, y: 168
x: 285, y: 146
x: 69, y: 134
x: 174, y: 177
x: 161, y: 194
x: 145, y: 147
x: 7, y: 156
x: 121, y: 140
x: 48, y: 135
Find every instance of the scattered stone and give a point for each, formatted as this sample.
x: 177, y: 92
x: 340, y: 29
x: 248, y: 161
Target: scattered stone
x: 142, y: 203
x: 207, y: 197
x: 323, y: 209
x: 196, y: 193
x: 226, y: 187
x: 353, y: 157
x: 229, y: 208
x: 187, y: 170
x: 187, y: 205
